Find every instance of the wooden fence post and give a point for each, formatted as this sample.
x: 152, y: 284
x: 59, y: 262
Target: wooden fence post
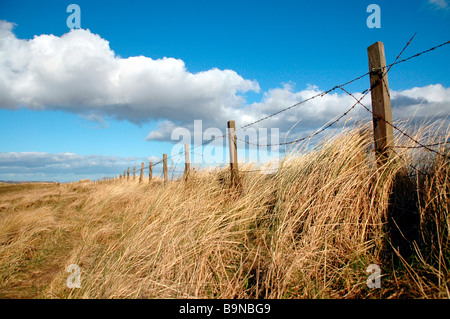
x: 124, y: 174
x: 134, y: 173
x: 128, y: 174
x: 187, y: 162
x: 141, y: 176
x: 150, y: 171
x: 165, y: 168
x: 233, y: 153
x: 381, y: 103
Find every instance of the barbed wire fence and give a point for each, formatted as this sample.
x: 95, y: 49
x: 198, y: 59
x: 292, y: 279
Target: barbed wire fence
x: 358, y: 101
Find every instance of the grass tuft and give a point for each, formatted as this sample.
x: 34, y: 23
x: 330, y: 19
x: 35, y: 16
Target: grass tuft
x: 308, y: 231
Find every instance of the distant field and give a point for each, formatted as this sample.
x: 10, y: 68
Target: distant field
x: 25, y: 182
x: 310, y: 231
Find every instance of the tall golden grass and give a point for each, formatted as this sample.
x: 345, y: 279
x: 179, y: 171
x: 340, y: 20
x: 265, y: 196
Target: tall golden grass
x: 309, y: 231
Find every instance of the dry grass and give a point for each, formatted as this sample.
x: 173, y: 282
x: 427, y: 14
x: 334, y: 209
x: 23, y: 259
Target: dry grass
x: 310, y: 231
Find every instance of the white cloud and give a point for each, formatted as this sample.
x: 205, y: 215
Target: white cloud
x: 421, y: 103
x: 440, y: 4
x: 78, y: 72
x: 416, y: 104
x: 64, y: 166
x: 311, y: 115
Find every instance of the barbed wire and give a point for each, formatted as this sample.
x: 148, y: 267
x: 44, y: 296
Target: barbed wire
x: 401, y: 52
x: 304, y: 101
x: 358, y: 101
x: 382, y: 78
x: 387, y: 68
x: 417, y: 54
x: 330, y: 124
x: 427, y: 145
x: 394, y: 126
x: 200, y: 145
x: 180, y: 153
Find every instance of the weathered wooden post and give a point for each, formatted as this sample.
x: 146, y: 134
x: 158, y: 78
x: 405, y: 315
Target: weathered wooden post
x: 141, y: 176
x: 381, y: 103
x: 128, y: 174
x: 166, y: 178
x: 150, y: 171
x: 233, y: 153
x: 187, y: 162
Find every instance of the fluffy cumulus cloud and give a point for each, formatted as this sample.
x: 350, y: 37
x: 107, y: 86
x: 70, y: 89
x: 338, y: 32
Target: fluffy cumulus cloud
x: 439, y: 4
x: 302, y: 119
x: 38, y: 166
x: 416, y: 104
x: 78, y: 72
x: 421, y: 103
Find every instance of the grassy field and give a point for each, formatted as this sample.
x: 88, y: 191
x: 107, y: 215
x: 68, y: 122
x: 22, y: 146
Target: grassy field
x: 310, y: 231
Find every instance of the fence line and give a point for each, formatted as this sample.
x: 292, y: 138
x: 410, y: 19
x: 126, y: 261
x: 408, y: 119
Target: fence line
x: 426, y: 145
x: 382, y: 72
x: 330, y: 124
x: 399, y: 130
x: 364, y: 93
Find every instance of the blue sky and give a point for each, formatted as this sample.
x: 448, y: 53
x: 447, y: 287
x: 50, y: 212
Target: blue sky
x: 225, y: 60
